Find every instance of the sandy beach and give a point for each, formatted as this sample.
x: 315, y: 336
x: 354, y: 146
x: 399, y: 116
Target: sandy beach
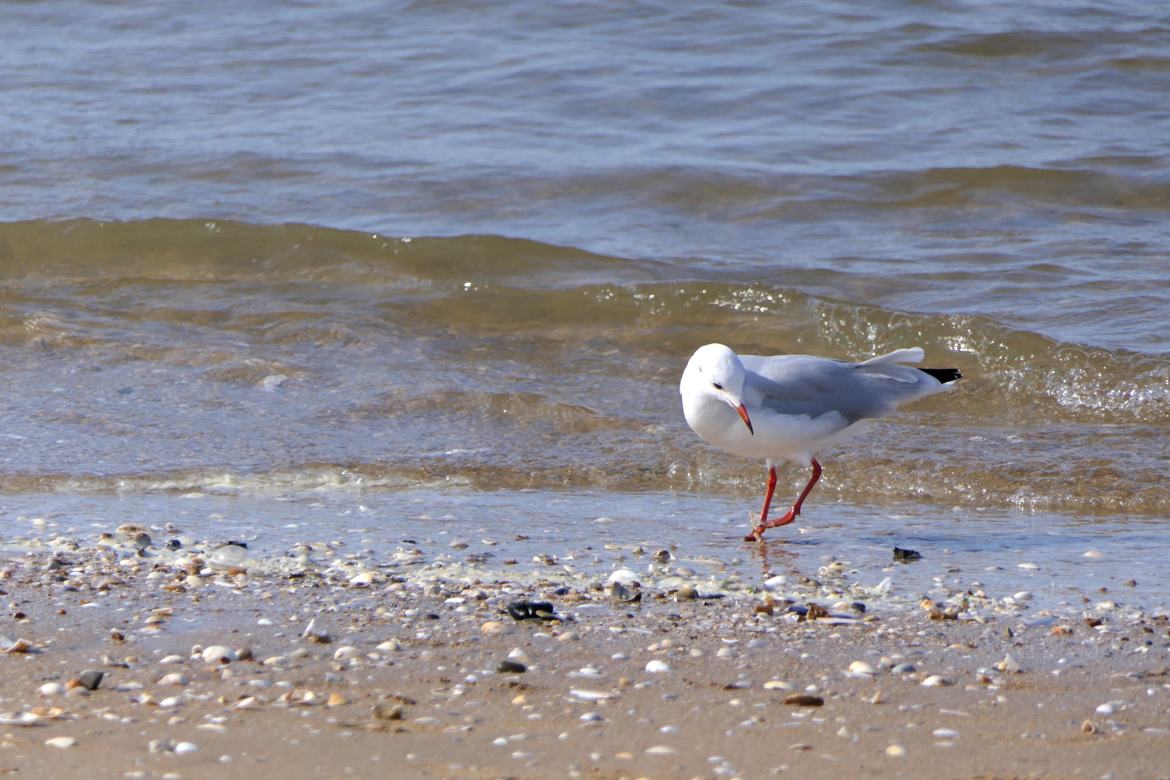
x: 330, y: 665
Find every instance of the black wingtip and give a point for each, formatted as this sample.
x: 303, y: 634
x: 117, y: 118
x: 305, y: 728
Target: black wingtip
x: 943, y: 375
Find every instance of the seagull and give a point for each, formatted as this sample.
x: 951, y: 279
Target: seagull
x: 789, y: 407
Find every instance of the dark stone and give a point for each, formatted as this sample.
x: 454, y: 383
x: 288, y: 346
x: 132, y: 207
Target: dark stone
x: 905, y: 556
x: 90, y: 679
x: 511, y: 667
x: 532, y: 610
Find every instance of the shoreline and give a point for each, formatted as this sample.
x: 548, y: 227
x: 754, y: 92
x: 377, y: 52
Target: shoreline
x: 324, y: 671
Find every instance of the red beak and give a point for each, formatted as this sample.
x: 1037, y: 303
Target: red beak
x: 746, y: 420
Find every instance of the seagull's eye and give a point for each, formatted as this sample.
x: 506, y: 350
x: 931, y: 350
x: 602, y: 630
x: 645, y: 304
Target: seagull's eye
x: 717, y: 386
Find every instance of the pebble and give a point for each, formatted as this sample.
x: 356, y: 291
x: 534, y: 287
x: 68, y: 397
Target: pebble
x: 778, y: 685
x: 382, y: 711
x: 230, y: 557
x: 51, y: 689
x: 895, y: 751
x: 218, y: 654
x: 936, y: 681
x: 61, y: 742
x: 589, y: 695
x: 622, y: 576
x: 861, y: 669
x: 661, y: 750
x: 657, y: 667
x: 364, y: 578
x: 346, y: 652
x: 182, y: 748
x: 1009, y: 665
x: 173, y: 678
x: 90, y: 679
x: 904, y: 669
x: 945, y: 734
x: 509, y: 666
x: 804, y: 700
x: 492, y: 627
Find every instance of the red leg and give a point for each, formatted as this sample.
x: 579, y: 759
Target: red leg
x: 754, y: 535
x: 758, y: 533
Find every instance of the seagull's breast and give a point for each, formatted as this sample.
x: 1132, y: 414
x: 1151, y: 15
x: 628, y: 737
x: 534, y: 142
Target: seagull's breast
x: 777, y: 436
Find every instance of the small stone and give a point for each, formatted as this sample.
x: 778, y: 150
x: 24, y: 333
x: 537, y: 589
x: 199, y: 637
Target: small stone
x: 345, y: 653
x: 230, y: 558
x: 90, y: 679
x: 623, y: 576
x: 218, y: 654
x: 804, y: 700
x: 382, y: 711
x: 657, y: 667
x: 1009, y: 665
x: 895, y: 751
x: 61, y: 742
x: 51, y: 689
x: 336, y: 700
x: 661, y: 750
x: 509, y: 666
x: 492, y: 627
x: 902, y: 555
x: 936, y: 681
x: 364, y: 578
x: 316, y: 635
x: 173, y: 679
x: 182, y: 748
x: 686, y: 593
x: 904, y: 669
x: 861, y: 669
x: 775, y: 582
x: 589, y: 695
x: 945, y: 734
x: 777, y: 685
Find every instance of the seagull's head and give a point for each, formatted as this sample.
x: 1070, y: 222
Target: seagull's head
x: 715, y: 370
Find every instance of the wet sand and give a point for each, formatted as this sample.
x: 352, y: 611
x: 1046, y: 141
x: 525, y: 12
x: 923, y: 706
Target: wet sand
x: 329, y: 665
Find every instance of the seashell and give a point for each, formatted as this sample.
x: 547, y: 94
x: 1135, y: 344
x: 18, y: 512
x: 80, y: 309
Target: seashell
x: 18, y: 718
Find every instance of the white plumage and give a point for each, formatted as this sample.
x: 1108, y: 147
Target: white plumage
x: 789, y: 407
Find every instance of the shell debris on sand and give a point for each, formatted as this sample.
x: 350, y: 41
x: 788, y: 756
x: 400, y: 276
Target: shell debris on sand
x: 419, y: 634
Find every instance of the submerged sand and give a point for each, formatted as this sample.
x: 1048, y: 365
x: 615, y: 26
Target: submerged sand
x: 327, y: 665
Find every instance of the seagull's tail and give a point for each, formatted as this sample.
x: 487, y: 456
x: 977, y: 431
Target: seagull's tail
x: 944, y: 375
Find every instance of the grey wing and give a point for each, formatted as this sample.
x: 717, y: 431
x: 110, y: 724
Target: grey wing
x: 808, y: 385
